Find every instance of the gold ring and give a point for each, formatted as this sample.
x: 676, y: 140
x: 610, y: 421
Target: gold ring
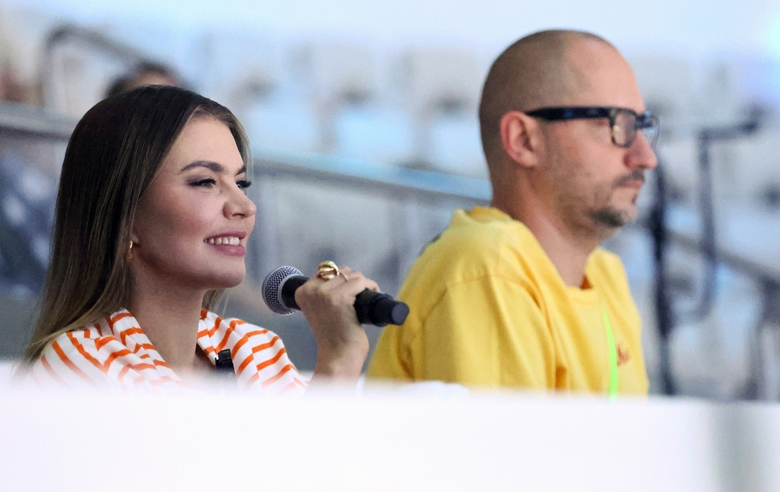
x: 327, y: 270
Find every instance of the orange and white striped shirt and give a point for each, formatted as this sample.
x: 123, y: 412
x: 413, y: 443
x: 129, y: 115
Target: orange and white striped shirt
x: 115, y: 352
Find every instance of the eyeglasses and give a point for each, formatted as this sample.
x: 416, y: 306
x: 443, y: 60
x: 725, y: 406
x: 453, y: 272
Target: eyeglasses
x: 623, y: 122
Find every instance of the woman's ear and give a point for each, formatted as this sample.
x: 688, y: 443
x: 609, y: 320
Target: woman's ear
x: 133, y: 236
x: 520, y: 138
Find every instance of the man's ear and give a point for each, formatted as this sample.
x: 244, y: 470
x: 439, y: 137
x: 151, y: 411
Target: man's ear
x: 520, y: 138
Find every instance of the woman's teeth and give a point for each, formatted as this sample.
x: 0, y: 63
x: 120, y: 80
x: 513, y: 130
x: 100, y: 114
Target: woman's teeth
x: 233, y: 241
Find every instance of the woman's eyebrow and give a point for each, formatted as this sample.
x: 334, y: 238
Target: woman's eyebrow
x: 210, y: 165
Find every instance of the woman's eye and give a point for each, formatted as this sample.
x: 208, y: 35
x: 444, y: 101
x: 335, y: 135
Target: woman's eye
x: 243, y: 184
x: 205, y: 183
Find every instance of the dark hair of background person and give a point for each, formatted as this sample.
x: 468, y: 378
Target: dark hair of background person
x: 145, y: 73
x: 112, y: 157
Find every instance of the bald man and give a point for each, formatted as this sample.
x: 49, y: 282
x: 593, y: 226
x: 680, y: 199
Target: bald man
x: 519, y: 294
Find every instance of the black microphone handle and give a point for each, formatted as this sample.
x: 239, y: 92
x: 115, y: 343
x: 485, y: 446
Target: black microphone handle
x: 371, y: 307
x: 379, y: 309
x: 288, y: 290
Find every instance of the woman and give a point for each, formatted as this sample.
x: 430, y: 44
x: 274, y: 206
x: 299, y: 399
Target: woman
x: 152, y: 221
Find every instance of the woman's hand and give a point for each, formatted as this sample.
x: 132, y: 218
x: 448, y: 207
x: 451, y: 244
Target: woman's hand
x: 342, y: 344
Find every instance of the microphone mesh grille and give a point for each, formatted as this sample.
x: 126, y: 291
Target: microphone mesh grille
x: 271, y: 288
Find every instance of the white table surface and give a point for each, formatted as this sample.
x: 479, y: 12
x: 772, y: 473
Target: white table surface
x: 383, y: 440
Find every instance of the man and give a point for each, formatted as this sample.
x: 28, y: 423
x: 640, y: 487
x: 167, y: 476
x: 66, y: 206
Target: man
x: 519, y: 294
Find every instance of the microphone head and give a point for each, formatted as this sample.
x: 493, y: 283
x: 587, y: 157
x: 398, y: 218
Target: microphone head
x: 272, y: 288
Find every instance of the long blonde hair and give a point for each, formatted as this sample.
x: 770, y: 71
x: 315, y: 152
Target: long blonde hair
x: 112, y: 156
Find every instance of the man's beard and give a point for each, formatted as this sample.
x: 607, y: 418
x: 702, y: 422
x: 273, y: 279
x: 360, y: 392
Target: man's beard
x: 611, y: 216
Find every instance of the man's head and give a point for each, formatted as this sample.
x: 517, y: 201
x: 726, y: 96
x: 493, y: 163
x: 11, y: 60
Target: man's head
x: 569, y: 168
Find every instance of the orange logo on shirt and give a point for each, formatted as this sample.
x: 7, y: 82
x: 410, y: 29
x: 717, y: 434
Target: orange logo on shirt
x: 623, y: 355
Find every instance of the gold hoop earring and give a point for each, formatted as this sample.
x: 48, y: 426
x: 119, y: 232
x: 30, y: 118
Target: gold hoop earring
x: 130, y: 252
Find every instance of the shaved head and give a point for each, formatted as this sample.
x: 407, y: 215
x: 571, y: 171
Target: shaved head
x: 533, y: 72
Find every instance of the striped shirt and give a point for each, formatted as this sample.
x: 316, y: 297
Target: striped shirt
x: 115, y: 352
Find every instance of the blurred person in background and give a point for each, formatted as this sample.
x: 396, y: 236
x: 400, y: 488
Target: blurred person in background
x: 151, y: 226
x: 520, y: 294
x: 145, y: 73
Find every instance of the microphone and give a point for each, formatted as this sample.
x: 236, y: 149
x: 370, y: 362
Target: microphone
x: 371, y: 307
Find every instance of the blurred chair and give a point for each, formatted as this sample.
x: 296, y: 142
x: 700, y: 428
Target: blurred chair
x: 442, y: 90
x: 337, y: 74
x: 439, y: 80
x: 239, y: 66
x: 343, y: 84
x: 250, y: 73
x: 77, y: 66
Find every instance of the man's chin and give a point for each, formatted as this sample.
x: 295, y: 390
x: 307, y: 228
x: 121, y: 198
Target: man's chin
x: 611, y: 217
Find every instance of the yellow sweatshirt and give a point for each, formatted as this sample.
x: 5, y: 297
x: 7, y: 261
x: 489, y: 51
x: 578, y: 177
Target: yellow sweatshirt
x: 488, y: 308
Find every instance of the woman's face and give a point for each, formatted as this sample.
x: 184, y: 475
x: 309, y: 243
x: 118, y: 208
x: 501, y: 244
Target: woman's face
x: 192, y: 225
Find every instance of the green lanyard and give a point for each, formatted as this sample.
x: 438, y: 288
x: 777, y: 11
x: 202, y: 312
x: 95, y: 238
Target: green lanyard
x: 613, y: 365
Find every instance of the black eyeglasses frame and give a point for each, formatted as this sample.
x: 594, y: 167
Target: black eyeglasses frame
x: 643, y: 121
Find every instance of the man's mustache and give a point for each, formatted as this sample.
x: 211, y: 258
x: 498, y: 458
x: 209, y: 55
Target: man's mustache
x: 635, y: 175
